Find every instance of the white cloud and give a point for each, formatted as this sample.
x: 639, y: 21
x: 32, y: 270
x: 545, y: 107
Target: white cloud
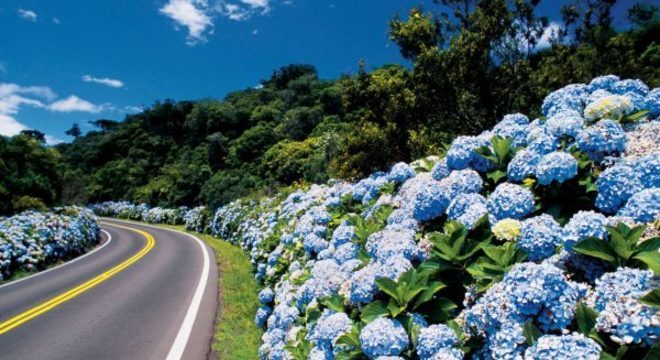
x: 193, y: 14
x: 133, y: 109
x: 53, y: 140
x: 242, y: 9
x: 56, y: 21
x: 255, y: 31
x: 13, y: 97
x: 74, y: 103
x: 9, y: 126
x: 548, y: 34
x: 256, y: 3
x: 103, y: 81
x: 27, y: 14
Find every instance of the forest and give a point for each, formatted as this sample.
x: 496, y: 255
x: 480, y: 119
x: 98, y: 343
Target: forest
x: 464, y: 69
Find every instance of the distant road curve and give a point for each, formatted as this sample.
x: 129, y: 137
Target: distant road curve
x: 145, y: 293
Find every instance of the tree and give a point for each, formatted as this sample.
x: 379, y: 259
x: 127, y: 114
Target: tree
x: 74, y: 131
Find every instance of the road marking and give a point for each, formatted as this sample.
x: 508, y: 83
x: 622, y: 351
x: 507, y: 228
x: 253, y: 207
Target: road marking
x: 181, y: 340
x: 61, y: 265
x: 72, y: 293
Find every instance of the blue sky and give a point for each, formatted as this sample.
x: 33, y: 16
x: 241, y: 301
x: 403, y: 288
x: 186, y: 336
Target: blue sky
x: 81, y: 60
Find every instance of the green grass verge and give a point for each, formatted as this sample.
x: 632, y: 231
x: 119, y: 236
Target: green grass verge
x: 236, y: 336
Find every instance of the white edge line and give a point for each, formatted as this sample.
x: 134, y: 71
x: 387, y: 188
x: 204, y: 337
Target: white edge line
x: 60, y: 265
x: 181, y: 340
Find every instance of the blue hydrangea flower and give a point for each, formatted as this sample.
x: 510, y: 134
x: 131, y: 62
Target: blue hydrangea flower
x: 634, y: 86
x: 262, y: 316
x: 462, y: 154
x: 510, y: 201
x: 393, y: 267
x: 514, y: 126
x: 556, y: 166
x: 448, y: 354
x: 387, y: 243
x: 507, y: 343
x: 400, y: 172
x: 652, y: 101
x: 362, y: 284
x: 541, y: 141
x: 603, y: 83
x: 615, y: 186
x: 383, y: 337
x: 329, y: 327
x: 325, y: 280
x: 539, y: 237
x: 604, y: 138
x: 346, y: 252
x: 342, y: 235
x: 462, y: 182
x: 529, y: 291
x: 266, y: 296
x: 565, y: 347
x: 644, y: 206
x: 430, y: 201
x: 648, y: 170
x: 440, y: 170
x: 625, y: 282
x: 571, y: 97
x: 320, y: 354
x: 467, y: 209
x: 583, y: 225
x: 565, y: 123
x: 522, y: 165
x: 433, y: 338
x: 314, y: 244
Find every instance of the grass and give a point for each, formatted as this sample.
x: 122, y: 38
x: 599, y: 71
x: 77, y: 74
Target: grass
x: 236, y: 337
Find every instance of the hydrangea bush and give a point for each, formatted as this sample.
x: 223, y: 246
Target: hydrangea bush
x: 33, y: 240
x: 536, y: 240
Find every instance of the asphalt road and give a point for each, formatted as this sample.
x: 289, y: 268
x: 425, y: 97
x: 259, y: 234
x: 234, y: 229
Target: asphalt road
x: 118, y: 302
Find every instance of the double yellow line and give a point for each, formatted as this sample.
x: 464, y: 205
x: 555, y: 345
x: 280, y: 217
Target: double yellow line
x: 28, y: 315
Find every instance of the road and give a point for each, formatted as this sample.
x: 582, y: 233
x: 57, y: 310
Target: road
x: 144, y: 293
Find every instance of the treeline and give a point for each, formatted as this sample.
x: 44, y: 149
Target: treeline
x: 467, y: 68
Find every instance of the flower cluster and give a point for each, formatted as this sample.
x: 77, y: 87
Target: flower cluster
x: 33, y: 240
x: 499, y: 231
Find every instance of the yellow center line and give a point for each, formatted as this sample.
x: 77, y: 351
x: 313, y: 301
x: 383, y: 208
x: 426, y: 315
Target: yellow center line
x: 40, y: 309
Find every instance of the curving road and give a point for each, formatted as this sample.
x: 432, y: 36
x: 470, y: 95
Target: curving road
x: 144, y: 293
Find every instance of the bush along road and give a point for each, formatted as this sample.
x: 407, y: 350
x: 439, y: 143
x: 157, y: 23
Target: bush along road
x: 145, y: 293
x: 537, y: 239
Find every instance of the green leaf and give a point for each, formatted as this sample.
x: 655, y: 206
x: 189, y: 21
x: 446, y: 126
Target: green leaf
x: 496, y: 176
x: 442, y: 310
x: 586, y: 318
x: 596, y: 248
x: 427, y: 295
x: 652, y: 244
x: 652, y: 298
x: 651, y: 259
x: 373, y: 311
x: 620, y: 352
x: 634, y: 116
x: 394, y: 308
x: 531, y: 332
x: 351, y: 338
x: 654, y: 353
x: 335, y: 303
x: 606, y: 356
x: 387, y: 286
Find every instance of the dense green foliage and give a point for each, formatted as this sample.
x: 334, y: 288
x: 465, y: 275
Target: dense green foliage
x: 29, y: 177
x: 467, y: 69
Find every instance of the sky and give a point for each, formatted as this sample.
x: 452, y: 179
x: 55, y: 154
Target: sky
x: 75, y: 61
